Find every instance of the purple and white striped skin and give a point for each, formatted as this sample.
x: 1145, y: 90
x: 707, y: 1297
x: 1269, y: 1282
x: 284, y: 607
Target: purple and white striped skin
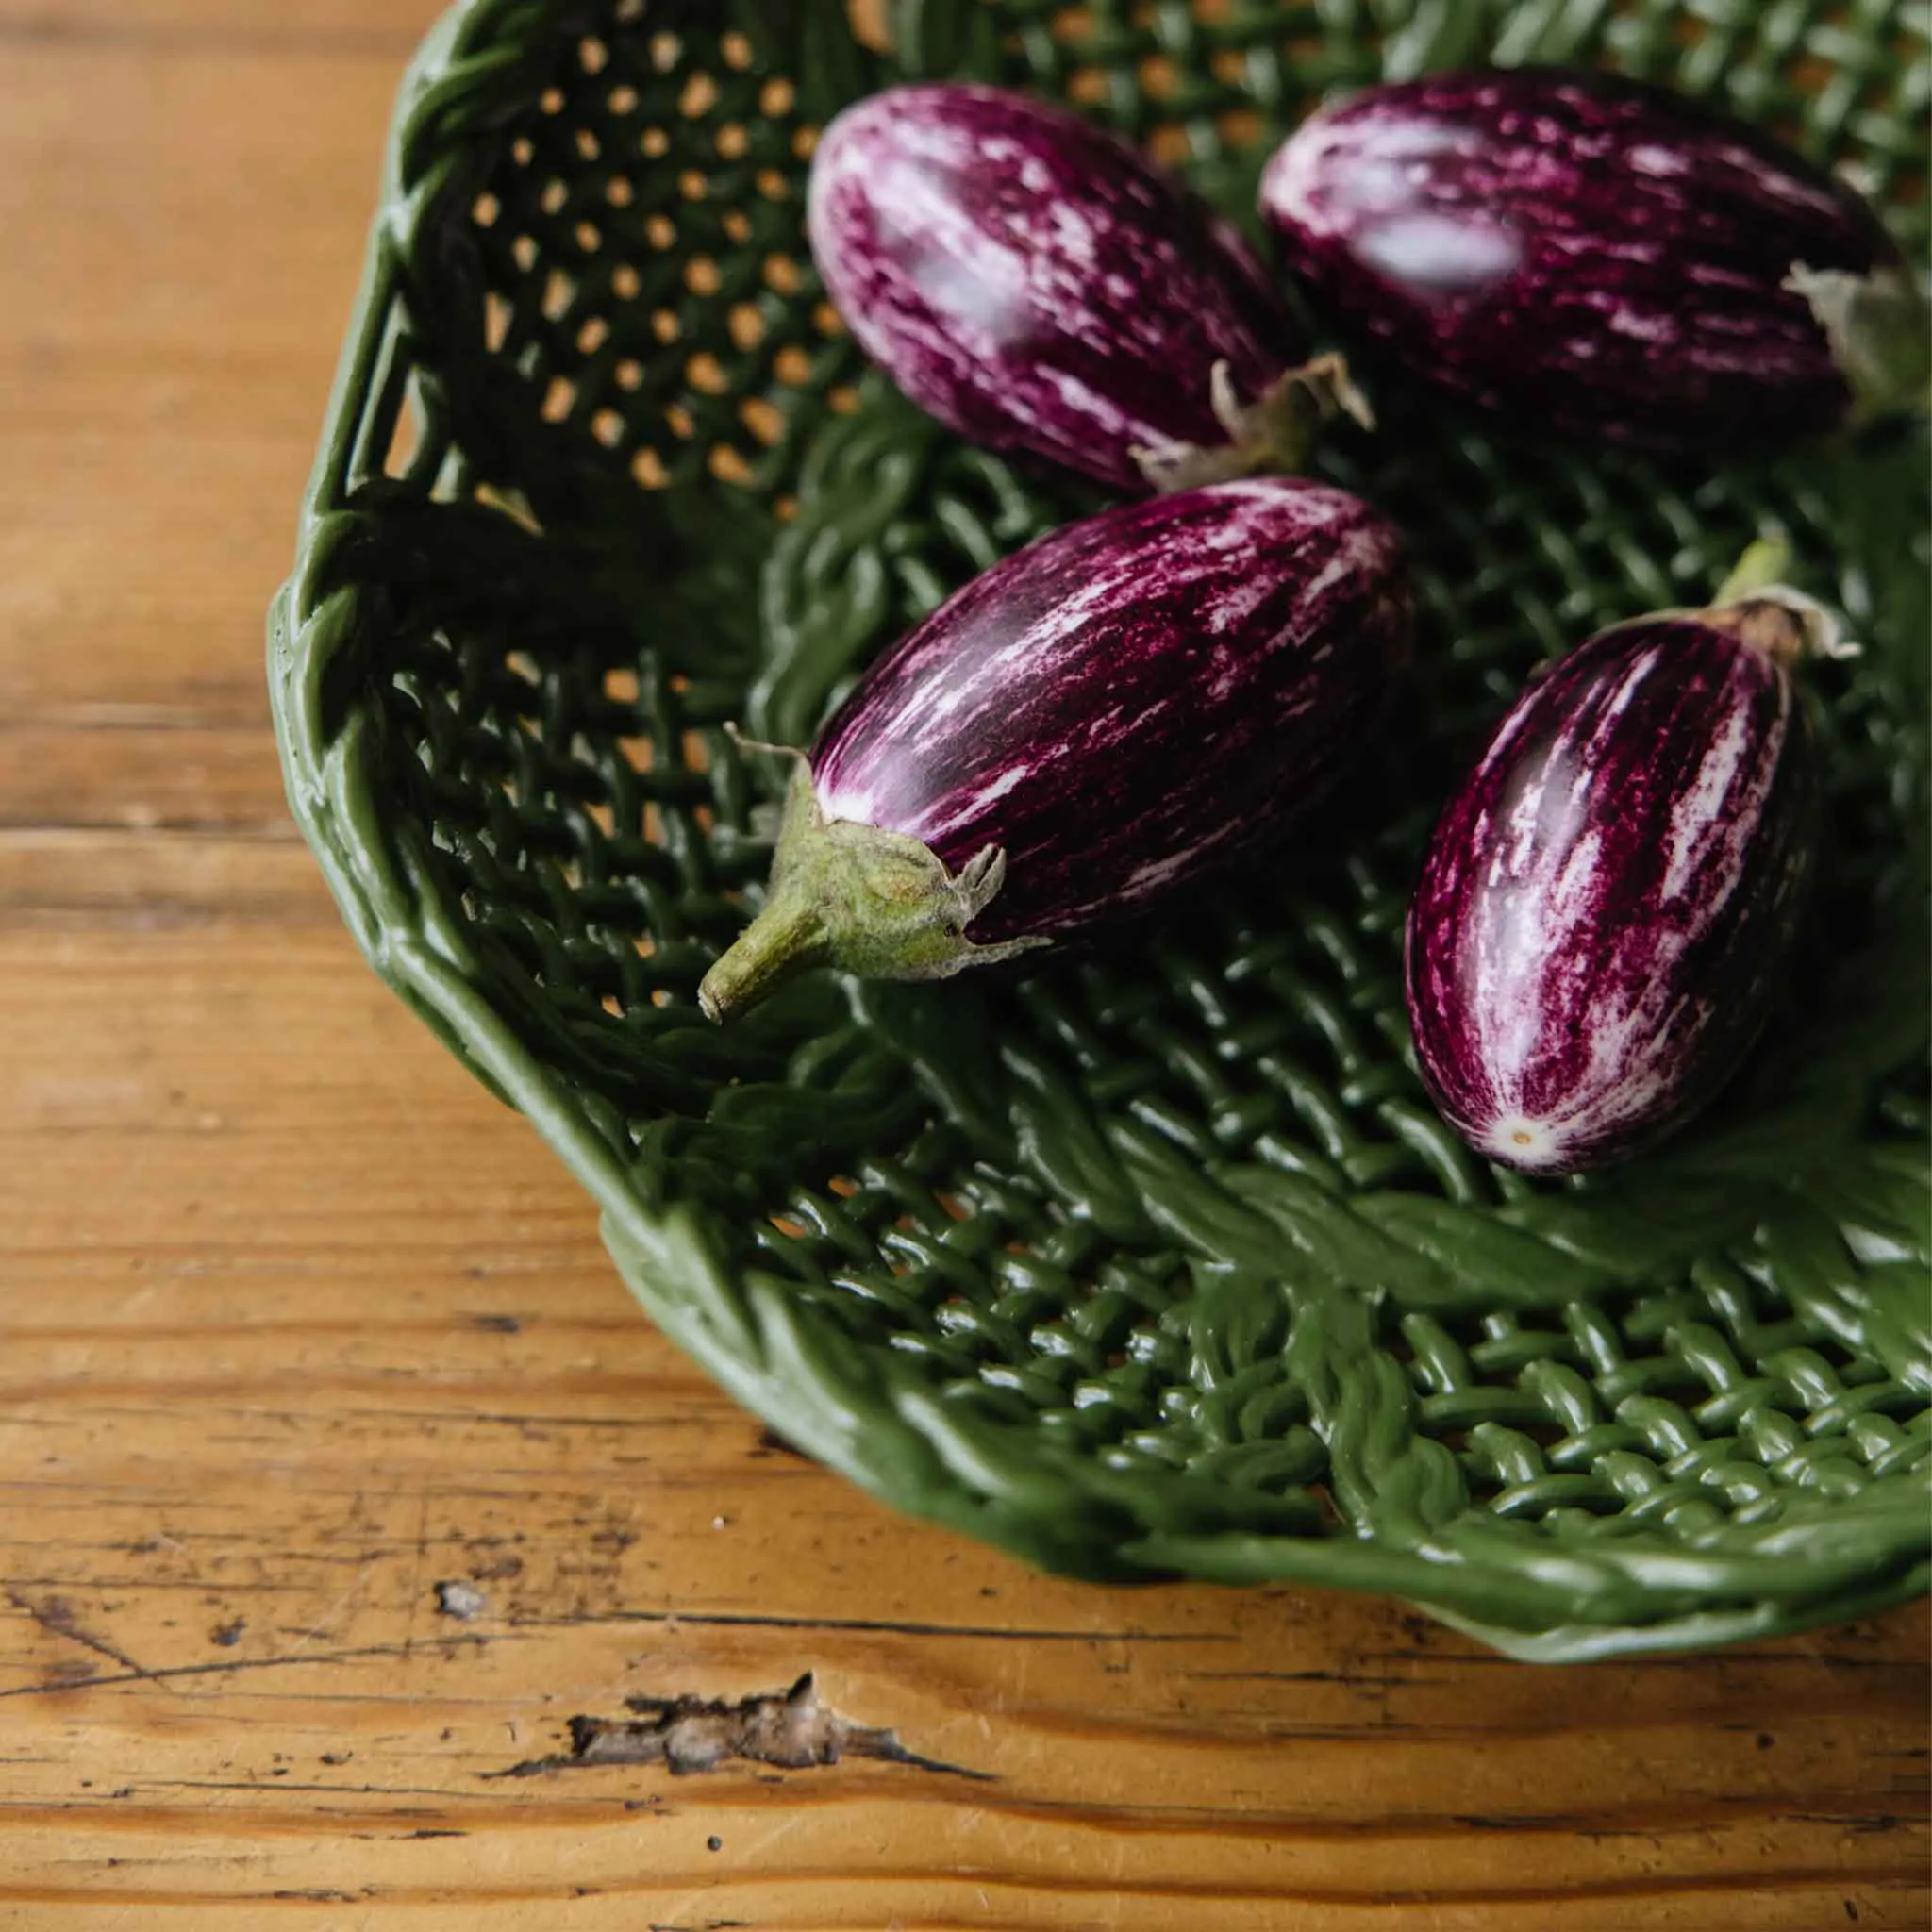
x: 1129, y: 703
x: 1035, y: 284
x: 1599, y: 255
x: 1609, y: 902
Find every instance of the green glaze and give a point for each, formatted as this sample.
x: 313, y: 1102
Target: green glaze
x: 1152, y: 1262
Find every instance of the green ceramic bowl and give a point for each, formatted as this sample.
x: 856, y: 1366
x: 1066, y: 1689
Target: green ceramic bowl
x: 1155, y: 1264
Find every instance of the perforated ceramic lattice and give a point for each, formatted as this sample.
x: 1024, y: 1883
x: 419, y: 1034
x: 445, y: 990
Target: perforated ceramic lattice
x: 1155, y: 1263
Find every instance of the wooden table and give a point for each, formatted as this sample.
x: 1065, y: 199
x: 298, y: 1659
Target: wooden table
x: 339, y: 1472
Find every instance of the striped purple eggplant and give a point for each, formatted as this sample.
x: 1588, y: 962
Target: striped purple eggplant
x: 1035, y: 284
x: 1610, y: 901
x: 1600, y: 256
x: 1130, y: 702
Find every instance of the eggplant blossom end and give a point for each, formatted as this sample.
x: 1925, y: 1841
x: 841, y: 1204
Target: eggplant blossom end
x: 1880, y: 332
x: 1274, y: 435
x: 870, y: 902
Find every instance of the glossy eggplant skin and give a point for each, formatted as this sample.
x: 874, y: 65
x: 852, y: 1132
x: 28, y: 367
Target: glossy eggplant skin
x: 1580, y: 252
x: 1129, y: 703
x: 1132, y: 701
x: 1610, y: 901
x: 1034, y: 283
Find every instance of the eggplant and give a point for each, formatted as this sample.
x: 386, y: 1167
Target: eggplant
x: 1029, y: 280
x: 1600, y: 256
x: 1609, y: 902
x: 1130, y: 702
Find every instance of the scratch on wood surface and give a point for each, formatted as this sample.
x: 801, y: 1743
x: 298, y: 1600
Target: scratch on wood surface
x: 59, y: 1618
x: 789, y: 1729
x: 166, y: 1675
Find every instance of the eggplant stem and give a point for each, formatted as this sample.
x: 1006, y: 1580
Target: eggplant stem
x: 1273, y: 435
x: 785, y: 939
x: 1767, y: 563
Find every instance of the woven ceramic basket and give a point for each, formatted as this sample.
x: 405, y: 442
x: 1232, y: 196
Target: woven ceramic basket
x: 1156, y: 1262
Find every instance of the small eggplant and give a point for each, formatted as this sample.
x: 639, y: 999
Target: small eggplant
x: 1033, y: 283
x: 1610, y: 901
x: 1601, y: 256
x: 1127, y: 704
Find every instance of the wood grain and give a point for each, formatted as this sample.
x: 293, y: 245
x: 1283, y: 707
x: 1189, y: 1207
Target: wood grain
x: 296, y: 1325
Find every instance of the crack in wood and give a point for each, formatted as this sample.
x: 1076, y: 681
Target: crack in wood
x: 790, y: 1730
x: 888, y: 1626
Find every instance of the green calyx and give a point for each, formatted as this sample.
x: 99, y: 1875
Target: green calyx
x: 1881, y: 334
x: 1758, y: 606
x: 874, y: 903
x: 1272, y: 436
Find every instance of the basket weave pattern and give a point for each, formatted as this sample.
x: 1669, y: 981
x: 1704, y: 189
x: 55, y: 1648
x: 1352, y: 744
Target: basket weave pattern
x: 1156, y: 1261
